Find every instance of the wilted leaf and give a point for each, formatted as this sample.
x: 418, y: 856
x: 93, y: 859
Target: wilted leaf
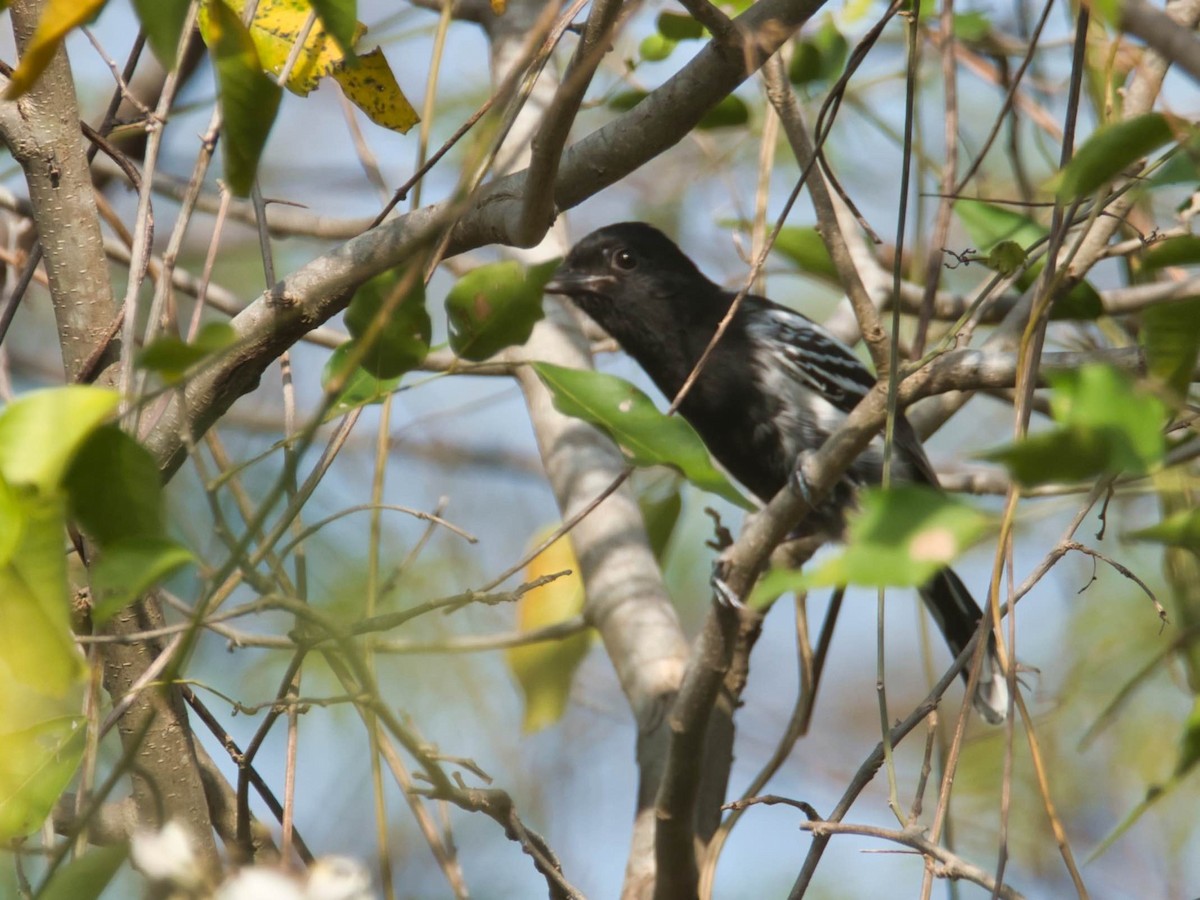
x: 276, y: 27
x: 340, y: 19
x: 371, y: 86
x: 631, y: 419
x: 495, y: 306
x: 544, y: 670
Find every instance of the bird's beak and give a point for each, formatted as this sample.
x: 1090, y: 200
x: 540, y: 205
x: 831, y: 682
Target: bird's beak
x: 571, y: 283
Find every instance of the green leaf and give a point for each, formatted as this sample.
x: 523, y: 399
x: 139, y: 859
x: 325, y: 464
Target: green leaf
x: 38, y: 657
x: 679, y: 27
x: 39, y: 763
x: 1171, y: 335
x: 163, y: 21
x: 820, y: 56
x: 972, y: 27
x: 630, y: 418
x: 1106, y: 426
x: 360, y: 387
x: 729, y: 113
x: 989, y: 224
x: 1108, y: 11
x: 1006, y: 257
x: 1006, y: 238
x: 1081, y: 303
x: 1189, y: 755
x: 660, y: 514
x: 1179, y: 530
x: 41, y: 432
x: 495, y: 306
x: 340, y: 18
x: 804, y: 247
x: 805, y: 66
x: 626, y: 100
x: 800, y: 245
x: 171, y: 356
x: 1110, y: 150
x: 86, y: 877
x: 41, y: 669
x: 901, y: 536
x: 774, y: 585
x: 403, y: 342
x: 655, y: 48
x: 1182, y: 250
x: 128, y: 568
x: 115, y: 488
x: 12, y: 517
x: 249, y: 99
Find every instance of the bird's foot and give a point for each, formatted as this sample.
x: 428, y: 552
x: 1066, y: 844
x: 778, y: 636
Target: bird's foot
x: 798, y: 481
x: 725, y: 595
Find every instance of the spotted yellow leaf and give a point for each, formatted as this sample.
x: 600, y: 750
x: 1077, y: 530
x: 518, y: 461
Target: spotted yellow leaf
x: 371, y: 86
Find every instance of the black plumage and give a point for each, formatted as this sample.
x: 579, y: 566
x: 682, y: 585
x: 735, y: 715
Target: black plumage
x: 775, y: 386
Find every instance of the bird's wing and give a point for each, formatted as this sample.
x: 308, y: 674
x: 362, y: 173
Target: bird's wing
x: 812, y: 356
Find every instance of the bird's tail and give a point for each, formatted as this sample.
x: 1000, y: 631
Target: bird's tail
x: 957, y: 615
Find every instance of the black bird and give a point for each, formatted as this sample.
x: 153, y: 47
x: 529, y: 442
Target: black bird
x: 775, y: 386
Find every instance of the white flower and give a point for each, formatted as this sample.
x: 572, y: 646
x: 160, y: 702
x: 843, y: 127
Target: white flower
x: 339, y: 878
x: 260, y: 883
x: 167, y: 856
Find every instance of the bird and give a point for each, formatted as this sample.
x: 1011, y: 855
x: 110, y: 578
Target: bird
x: 774, y: 388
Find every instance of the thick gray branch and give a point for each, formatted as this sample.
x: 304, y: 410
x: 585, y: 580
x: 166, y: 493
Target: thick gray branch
x: 275, y: 321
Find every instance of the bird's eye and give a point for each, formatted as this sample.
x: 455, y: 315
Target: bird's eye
x: 624, y: 260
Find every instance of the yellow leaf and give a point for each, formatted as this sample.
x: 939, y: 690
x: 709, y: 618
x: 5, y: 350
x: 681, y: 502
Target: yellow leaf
x: 371, y: 86
x: 277, y: 26
x: 59, y: 18
x: 544, y: 670
x: 499, y: 6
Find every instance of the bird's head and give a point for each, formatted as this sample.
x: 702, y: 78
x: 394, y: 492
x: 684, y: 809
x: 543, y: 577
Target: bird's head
x: 626, y: 265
